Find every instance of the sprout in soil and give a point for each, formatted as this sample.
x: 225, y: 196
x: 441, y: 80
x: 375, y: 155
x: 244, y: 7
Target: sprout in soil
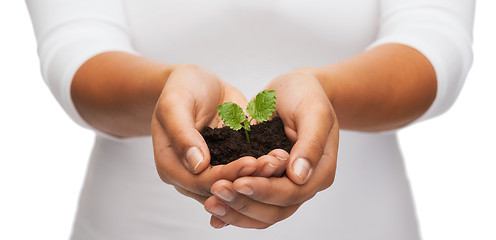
x: 261, y: 108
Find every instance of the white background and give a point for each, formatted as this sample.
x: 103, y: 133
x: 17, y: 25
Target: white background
x: 451, y: 160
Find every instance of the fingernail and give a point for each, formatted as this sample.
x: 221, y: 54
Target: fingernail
x: 194, y: 157
x: 224, y: 194
x: 223, y: 225
x: 217, y: 210
x: 282, y: 158
x: 301, y: 168
x: 268, y: 169
x: 248, y: 191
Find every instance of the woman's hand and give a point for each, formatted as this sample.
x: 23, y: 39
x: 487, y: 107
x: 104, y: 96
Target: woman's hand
x: 310, y: 122
x: 187, y: 104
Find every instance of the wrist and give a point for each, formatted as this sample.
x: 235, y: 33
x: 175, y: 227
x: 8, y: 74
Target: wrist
x: 162, y: 73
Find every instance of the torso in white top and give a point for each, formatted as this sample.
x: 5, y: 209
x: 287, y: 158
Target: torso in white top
x: 247, y: 43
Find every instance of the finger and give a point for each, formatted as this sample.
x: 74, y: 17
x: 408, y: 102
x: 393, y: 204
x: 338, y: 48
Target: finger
x: 273, y: 164
x: 216, y: 222
x: 283, y: 191
x: 241, y: 167
x: 176, y: 113
x: 268, y: 165
x: 313, y: 125
x: 229, y: 216
x: 266, y: 213
x: 199, y: 198
x: 274, y: 191
x: 172, y: 171
x: 202, y: 182
x: 283, y: 158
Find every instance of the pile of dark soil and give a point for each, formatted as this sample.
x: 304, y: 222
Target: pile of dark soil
x: 227, y: 145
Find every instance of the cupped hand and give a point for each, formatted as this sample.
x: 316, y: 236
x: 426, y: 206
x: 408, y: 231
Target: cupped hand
x: 310, y: 122
x: 187, y: 104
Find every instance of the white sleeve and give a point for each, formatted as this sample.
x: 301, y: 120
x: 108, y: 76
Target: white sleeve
x: 442, y: 31
x: 69, y: 33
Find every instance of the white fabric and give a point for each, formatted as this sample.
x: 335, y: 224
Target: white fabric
x: 248, y: 43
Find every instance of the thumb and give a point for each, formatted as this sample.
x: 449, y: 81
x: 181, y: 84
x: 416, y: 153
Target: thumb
x: 176, y: 113
x: 313, y: 126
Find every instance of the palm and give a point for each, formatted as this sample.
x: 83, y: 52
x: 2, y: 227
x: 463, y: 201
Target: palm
x: 187, y: 104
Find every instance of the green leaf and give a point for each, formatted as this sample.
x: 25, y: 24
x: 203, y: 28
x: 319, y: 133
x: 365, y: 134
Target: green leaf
x: 232, y: 115
x: 263, y: 106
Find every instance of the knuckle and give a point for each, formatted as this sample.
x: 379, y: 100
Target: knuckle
x: 292, y: 199
x: 314, y: 146
x: 279, y: 215
x: 193, y: 184
x: 164, y: 106
x: 329, y: 180
x: 165, y: 179
x: 199, y: 191
x: 163, y: 174
x: 299, y: 196
x: 177, y: 134
x: 198, y: 188
x: 291, y: 195
x: 320, y: 108
x: 235, y: 220
x: 242, y: 207
x: 163, y: 111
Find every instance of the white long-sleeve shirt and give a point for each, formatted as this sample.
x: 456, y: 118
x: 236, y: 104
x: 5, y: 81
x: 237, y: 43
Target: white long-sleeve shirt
x: 248, y: 43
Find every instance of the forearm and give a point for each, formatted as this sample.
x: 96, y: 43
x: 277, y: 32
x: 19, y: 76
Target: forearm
x: 116, y: 92
x: 381, y: 89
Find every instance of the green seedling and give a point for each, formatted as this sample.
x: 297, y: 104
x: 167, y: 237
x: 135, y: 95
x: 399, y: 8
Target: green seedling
x: 261, y: 108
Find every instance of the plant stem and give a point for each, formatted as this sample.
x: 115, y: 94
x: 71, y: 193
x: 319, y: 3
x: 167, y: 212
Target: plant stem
x: 246, y: 126
x: 247, y: 137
